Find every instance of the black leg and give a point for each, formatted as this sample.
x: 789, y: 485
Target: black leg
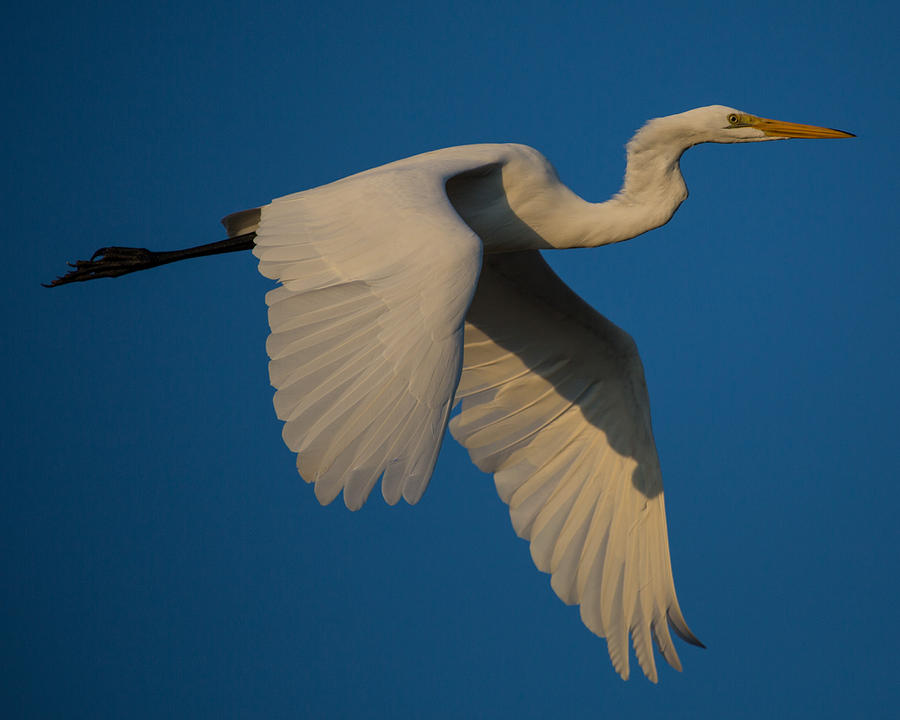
x: 115, y: 261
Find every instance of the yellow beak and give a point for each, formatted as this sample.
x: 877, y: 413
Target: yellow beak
x: 777, y: 128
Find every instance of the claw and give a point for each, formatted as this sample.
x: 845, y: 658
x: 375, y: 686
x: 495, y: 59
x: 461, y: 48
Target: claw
x: 115, y: 261
x: 108, y: 262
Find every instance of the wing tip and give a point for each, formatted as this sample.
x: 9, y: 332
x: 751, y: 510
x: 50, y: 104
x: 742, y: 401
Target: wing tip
x: 353, y: 503
x: 678, y: 624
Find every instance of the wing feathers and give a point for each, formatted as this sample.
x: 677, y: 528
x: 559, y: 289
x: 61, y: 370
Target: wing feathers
x: 365, y: 348
x: 376, y: 274
x: 555, y: 405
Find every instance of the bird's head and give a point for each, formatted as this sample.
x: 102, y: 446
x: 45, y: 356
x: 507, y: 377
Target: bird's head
x: 655, y: 150
x: 721, y: 124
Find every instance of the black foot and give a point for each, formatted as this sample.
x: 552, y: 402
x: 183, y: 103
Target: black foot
x: 108, y: 262
x: 115, y: 261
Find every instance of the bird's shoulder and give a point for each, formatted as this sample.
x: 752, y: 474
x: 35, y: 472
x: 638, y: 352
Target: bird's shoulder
x: 457, y: 159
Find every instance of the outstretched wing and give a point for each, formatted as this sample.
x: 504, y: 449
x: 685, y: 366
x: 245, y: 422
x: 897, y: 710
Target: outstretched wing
x: 376, y: 271
x: 554, y: 403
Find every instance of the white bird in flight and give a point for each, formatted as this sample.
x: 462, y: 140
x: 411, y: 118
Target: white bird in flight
x: 411, y: 287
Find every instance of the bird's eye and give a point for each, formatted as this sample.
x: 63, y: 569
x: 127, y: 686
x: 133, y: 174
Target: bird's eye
x: 733, y: 119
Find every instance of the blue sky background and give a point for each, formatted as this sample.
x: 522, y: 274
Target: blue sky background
x: 160, y: 556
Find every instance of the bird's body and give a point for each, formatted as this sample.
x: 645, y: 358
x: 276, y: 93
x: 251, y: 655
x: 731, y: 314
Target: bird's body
x: 416, y: 285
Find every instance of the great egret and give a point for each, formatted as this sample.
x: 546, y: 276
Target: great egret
x: 418, y: 284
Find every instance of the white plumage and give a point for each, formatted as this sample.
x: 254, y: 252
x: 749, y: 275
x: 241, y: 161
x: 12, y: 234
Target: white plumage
x: 367, y: 339
x: 412, y: 286
x: 555, y: 405
x: 365, y: 345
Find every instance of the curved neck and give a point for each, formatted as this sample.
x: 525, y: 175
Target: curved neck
x: 651, y: 193
x: 522, y: 205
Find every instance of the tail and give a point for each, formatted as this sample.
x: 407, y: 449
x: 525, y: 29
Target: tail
x: 241, y: 223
